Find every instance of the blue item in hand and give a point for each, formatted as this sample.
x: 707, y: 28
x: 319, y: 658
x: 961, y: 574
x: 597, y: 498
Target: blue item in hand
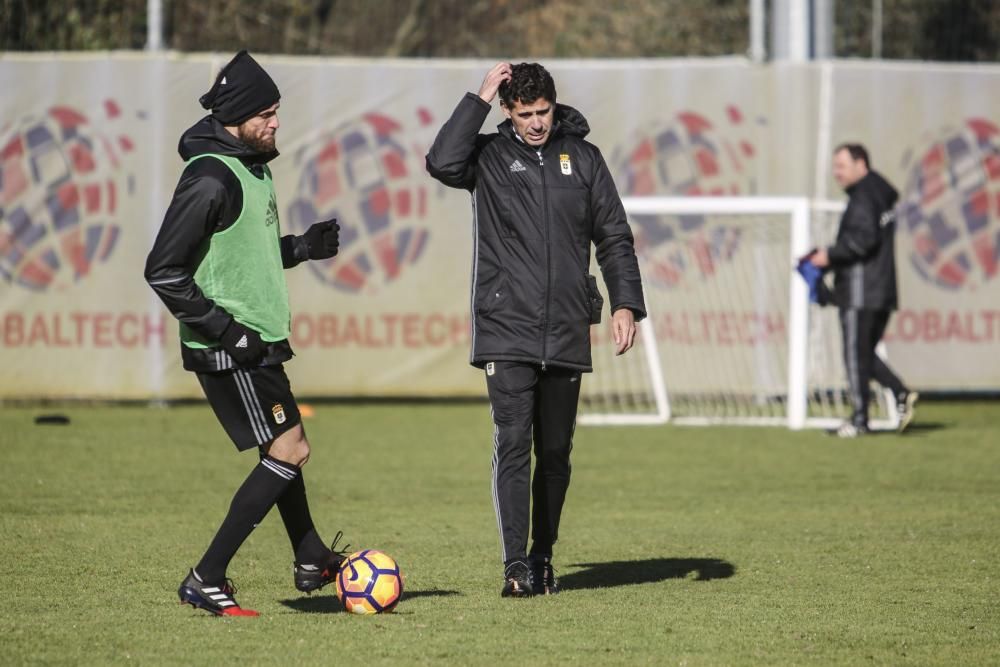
x: 813, y: 275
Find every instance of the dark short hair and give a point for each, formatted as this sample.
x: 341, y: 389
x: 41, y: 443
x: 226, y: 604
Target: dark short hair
x: 857, y: 151
x: 528, y: 82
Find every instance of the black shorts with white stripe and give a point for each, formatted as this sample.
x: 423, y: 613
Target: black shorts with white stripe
x: 254, y: 405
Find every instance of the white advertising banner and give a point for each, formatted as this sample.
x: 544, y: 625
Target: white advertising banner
x: 88, y: 163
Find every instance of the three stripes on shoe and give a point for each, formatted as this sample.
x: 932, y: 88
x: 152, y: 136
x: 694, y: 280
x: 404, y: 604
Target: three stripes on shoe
x: 219, y: 597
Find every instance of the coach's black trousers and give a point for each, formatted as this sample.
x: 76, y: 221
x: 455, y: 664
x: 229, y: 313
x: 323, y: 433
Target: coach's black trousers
x: 861, y: 331
x: 527, y: 404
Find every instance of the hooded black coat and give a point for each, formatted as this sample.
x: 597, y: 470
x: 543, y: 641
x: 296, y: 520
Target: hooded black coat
x: 863, y: 258
x: 535, y: 216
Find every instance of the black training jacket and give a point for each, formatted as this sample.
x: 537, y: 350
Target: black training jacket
x: 535, y: 216
x: 208, y: 199
x: 863, y: 258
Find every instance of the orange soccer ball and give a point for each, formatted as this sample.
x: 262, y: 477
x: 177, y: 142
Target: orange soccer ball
x: 369, y: 582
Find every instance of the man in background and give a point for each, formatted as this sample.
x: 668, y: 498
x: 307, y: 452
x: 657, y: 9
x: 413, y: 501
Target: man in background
x: 863, y: 261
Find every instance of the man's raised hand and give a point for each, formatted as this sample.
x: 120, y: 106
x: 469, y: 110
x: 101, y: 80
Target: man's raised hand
x: 496, y: 76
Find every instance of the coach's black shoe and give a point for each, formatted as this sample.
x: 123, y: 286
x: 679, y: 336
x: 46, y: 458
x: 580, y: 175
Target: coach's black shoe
x: 517, y: 581
x: 906, y: 407
x: 311, y: 577
x: 543, y: 577
x: 216, y: 599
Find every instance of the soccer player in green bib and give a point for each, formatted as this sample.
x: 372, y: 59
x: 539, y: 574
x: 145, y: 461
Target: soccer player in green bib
x: 218, y: 264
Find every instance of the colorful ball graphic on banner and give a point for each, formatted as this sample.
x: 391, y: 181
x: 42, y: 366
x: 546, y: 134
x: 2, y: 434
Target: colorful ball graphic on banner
x: 688, y: 155
x: 950, y: 207
x: 62, y: 181
x: 369, y: 176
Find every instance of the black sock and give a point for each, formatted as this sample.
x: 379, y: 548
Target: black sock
x: 294, y: 508
x: 254, y: 499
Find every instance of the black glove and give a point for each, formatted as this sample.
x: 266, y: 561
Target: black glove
x: 243, y: 344
x: 322, y: 239
x: 824, y: 295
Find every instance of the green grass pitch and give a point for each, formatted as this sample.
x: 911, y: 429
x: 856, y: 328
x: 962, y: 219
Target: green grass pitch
x: 680, y: 546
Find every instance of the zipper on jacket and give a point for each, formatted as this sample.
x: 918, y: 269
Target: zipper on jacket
x: 548, y: 259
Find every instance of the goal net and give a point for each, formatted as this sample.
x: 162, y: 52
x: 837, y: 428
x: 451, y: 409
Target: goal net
x: 731, y: 337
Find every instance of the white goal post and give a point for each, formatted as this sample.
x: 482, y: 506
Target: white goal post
x: 731, y: 336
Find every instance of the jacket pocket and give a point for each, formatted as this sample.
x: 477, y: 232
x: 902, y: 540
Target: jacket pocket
x: 490, y: 300
x: 595, y: 299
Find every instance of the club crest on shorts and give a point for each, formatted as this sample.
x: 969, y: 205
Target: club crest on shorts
x: 279, y: 414
x: 491, y: 369
x: 564, y: 164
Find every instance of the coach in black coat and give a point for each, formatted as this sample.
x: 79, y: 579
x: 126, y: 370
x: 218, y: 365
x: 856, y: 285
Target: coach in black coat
x: 541, y: 195
x: 536, y: 210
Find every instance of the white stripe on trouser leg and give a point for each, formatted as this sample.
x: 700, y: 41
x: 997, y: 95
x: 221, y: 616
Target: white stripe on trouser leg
x: 251, y: 415
x: 256, y: 402
x: 284, y: 473
x: 853, y: 372
x: 496, y: 489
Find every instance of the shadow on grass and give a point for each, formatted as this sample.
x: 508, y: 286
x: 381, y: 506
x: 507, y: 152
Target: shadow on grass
x: 922, y: 427
x: 329, y: 604
x: 321, y: 604
x: 629, y: 572
x: 916, y: 429
x: 429, y: 593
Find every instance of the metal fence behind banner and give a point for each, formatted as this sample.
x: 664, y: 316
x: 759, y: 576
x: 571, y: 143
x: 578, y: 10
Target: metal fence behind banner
x: 946, y: 30
x: 949, y: 30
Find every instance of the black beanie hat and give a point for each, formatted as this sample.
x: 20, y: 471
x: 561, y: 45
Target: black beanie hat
x: 242, y: 90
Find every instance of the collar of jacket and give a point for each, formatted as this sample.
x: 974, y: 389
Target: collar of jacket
x: 208, y: 135
x: 858, y: 184
x: 873, y: 183
x: 566, y: 122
